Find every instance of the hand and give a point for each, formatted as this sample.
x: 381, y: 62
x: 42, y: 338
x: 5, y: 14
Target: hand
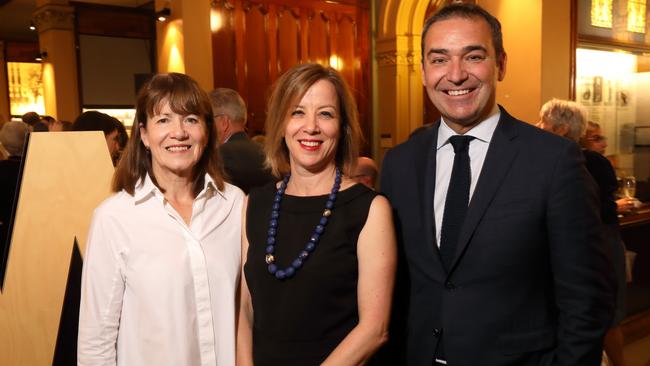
x: 625, y: 205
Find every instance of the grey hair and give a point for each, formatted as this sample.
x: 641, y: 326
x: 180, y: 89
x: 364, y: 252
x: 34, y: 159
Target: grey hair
x: 560, y: 113
x: 228, y: 102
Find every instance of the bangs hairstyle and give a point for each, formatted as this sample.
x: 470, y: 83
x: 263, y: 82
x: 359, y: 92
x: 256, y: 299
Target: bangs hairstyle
x: 287, y: 93
x: 467, y: 11
x: 184, y: 97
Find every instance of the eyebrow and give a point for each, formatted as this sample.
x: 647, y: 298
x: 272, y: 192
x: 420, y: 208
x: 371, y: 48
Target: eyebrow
x: 319, y: 107
x: 465, y: 49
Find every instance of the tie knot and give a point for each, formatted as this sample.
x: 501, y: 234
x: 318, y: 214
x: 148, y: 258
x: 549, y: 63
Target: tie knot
x: 460, y: 142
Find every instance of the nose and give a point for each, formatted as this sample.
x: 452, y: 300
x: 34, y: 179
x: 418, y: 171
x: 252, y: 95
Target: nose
x: 178, y: 130
x: 457, y: 73
x: 311, y: 124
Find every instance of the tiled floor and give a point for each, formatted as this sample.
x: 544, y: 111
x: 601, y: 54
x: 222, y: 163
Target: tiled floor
x: 638, y: 353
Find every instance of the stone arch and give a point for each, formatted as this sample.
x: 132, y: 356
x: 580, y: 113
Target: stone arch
x: 398, y: 67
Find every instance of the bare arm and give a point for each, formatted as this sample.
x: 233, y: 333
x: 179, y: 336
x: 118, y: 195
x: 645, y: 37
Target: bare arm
x: 245, y: 316
x: 377, y: 257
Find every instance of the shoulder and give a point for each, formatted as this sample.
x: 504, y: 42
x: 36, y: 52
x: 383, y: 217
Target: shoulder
x: 535, y: 142
x: 233, y: 193
x: 416, y: 145
x: 115, y: 203
x: 380, y: 205
x: 117, y: 209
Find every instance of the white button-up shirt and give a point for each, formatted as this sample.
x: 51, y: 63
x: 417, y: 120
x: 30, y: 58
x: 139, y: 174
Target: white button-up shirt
x: 478, y: 148
x: 156, y: 291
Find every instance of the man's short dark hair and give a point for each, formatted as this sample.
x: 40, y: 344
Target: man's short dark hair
x: 95, y: 121
x: 31, y: 118
x: 467, y: 11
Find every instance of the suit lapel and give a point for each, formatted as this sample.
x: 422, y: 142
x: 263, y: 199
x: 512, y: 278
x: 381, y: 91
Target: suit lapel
x: 498, y: 160
x: 427, y: 186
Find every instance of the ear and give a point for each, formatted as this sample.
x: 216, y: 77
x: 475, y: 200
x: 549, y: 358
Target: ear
x: 424, y: 76
x: 501, y: 66
x: 143, y: 135
x: 562, y: 129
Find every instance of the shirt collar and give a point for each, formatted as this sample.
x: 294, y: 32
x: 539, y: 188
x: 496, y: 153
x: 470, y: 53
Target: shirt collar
x: 145, y: 188
x: 482, y: 131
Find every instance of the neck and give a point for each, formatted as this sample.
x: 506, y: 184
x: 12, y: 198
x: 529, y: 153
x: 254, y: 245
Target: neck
x: 306, y: 183
x: 177, y: 188
x: 461, y: 128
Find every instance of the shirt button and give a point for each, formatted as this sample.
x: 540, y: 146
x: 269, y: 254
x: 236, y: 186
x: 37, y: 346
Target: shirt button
x: 436, y: 332
x: 449, y: 285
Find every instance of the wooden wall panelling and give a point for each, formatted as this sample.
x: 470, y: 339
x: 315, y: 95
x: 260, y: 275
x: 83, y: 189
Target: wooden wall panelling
x: 272, y: 39
x: 288, y: 36
x: 224, y: 54
x: 319, y: 38
x: 270, y: 36
x: 240, y: 69
x: 257, y: 59
x: 344, y: 49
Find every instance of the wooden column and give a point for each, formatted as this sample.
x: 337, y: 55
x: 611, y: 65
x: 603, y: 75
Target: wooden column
x: 56, y: 38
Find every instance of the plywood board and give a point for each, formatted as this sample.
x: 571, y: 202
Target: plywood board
x: 66, y: 175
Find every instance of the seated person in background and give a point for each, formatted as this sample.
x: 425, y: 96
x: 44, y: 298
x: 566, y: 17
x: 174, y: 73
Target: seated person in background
x: 595, y: 141
x: 31, y: 118
x: 49, y: 121
x: 243, y: 159
x: 97, y: 121
x: 366, y: 172
x: 12, y: 138
x: 61, y: 125
x: 569, y: 119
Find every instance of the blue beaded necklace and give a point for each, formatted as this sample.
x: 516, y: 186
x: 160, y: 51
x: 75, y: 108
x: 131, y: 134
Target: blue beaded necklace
x: 297, y: 263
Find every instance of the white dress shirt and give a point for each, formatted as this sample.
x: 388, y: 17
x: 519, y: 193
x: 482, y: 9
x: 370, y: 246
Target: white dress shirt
x: 156, y: 291
x: 478, y: 147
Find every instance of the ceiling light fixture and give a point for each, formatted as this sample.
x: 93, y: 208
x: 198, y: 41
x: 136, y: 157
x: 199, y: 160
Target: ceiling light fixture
x: 32, y: 27
x: 41, y: 56
x: 163, y: 15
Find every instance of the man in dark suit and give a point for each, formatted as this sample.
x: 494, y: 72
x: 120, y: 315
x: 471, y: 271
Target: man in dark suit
x: 497, y: 220
x: 243, y: 159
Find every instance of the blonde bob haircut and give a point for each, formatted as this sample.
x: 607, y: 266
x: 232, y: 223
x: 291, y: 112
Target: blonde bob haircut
x: 184, y: 97
x: 287, y: 93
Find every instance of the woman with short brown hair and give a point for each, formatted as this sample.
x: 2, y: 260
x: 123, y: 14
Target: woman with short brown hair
x: 162, y: 260
x: 319, y: 247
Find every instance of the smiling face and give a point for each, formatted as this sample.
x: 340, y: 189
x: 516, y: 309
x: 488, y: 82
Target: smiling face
x: 313, y: 129
x: 176, y: 142
x: 460, y: 71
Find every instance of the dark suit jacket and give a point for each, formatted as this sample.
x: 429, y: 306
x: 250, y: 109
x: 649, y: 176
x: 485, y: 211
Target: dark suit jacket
x: 243, y: 162
x: 530, y: 284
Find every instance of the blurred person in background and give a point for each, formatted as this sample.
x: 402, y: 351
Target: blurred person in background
x: 569, y: 119
x: 243, y: 159
x: 97, y: 121
x: 12, y: 138
x: 595, y: 141
x: 366, y: 172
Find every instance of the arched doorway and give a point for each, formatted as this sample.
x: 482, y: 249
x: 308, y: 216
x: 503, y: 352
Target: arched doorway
x: 403, y: 104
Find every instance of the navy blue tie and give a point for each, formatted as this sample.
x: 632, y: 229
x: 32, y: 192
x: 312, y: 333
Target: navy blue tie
x: 457, y: 200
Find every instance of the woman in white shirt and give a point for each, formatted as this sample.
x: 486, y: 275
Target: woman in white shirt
x: 161, y: 265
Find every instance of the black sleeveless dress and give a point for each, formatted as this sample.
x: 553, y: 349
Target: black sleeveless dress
x: 300, y: 320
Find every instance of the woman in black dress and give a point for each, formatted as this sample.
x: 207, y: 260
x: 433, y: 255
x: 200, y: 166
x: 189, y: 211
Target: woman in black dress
x: 318, y: 249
